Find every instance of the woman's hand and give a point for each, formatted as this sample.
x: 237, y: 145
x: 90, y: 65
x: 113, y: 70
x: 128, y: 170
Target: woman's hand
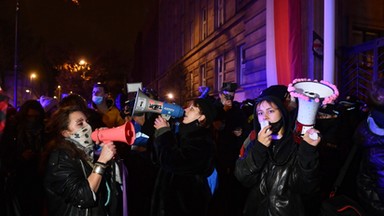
x: 108, y: 151
x: 160, y: 122
x: 98, y: 142
x: 311, y: 138
x: 265, y: 136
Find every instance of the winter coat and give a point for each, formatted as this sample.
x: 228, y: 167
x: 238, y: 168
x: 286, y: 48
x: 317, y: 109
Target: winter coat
x: 67, y: 188
x: 185, y: 161
x: 112, y: 117
x: 279, y: 175
x: 276, y: 186
x: 370, y: 180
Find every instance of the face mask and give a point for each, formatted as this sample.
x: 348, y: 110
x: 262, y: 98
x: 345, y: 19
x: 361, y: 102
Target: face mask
x: 83, y: 136
x: 97, y: 99
x: 275, y: 127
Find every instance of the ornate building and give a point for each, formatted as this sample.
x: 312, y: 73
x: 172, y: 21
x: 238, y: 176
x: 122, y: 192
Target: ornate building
x: 192, y: 43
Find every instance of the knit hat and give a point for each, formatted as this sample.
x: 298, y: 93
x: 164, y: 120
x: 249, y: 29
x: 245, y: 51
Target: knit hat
x: 279, y: 91
x: 48, y: 103
x: 206, y: 107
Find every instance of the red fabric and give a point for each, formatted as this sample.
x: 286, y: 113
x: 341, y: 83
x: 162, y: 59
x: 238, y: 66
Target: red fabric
x: 287, y: 40
x: 252, y: 136
x: 295, y: 39
x: 3, y: 112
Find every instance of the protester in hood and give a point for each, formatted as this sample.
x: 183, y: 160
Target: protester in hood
x: 277, y: 170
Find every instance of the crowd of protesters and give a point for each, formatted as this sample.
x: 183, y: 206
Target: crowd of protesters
x: 218, y: 159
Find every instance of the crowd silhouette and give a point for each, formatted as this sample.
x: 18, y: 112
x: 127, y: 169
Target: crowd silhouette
x: 218, y: 160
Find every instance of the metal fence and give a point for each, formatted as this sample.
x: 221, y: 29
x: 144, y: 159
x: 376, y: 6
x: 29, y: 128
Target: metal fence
x: 361, y: 65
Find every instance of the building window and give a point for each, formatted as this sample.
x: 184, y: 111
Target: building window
x: 241, y: 62
x: 364, y: 35
x: 219, y: 13
x: 203, y: 76
x: 220, y: 71
x: 204, y: 25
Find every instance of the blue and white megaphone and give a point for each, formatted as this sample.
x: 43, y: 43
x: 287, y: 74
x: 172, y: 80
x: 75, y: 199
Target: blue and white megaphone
x: 145, y: 104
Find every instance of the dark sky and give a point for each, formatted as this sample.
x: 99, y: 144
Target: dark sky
x: 88, y: 27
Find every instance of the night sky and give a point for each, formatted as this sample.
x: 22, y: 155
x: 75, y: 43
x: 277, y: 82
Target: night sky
x: 87, y: 27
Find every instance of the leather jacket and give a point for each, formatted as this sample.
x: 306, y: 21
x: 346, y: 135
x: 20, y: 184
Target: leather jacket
x: 370, y: 180
x: 67, y: 187
x: 277, y: 182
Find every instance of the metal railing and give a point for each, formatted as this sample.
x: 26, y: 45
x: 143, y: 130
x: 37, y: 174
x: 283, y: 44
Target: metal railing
x: 361, y: 65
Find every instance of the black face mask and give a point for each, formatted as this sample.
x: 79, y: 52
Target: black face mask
x: 275, y: 127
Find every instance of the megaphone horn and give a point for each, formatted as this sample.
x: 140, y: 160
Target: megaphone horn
x: 310, y: 95
x: 124, y: 133
x: 146, y: 104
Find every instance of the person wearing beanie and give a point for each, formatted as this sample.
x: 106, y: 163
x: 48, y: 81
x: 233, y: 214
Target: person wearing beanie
x: 369, y: 136
x: 186, y: 160
x: 277, y: 170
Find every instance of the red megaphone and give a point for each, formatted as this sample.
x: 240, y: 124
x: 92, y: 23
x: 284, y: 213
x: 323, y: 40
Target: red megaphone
x: 124, y: 133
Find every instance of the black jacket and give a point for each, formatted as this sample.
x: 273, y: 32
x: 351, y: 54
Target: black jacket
x: 67, y: 187
x: 370, y: 180
x: 185, y: 160
x: 276, y: 186
x: 279, y: 175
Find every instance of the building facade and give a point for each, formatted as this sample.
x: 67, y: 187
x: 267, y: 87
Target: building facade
x: 192, y: 43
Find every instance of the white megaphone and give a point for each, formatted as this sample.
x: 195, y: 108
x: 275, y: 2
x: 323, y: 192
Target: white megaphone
x: 145, y: 104
x: 310, y: 95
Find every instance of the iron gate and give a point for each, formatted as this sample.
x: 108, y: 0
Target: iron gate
x: 360, y: 66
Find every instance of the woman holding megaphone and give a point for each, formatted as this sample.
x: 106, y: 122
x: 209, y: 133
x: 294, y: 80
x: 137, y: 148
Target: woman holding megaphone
x: 75, y: 184
x: 277, y: 170
x: 186, y: 160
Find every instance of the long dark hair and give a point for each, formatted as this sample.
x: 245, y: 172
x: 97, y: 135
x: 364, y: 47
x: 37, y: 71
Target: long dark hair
x: 59, y: 122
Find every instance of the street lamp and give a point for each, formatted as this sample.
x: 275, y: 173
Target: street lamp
x: 82, y: 62
x: 84, y: 67
x: 170, y: 96
x: 29, y: 93
x: 32, y: 77
x: 59, y: 92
